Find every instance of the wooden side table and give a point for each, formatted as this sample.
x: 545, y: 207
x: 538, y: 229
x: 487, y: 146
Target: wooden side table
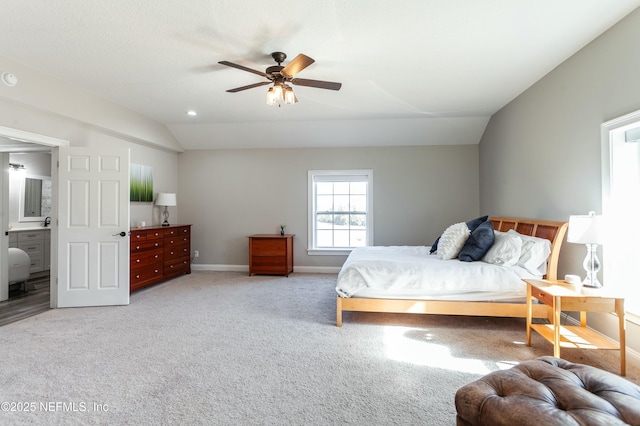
x: 562, y: 297
x: 271, y: 254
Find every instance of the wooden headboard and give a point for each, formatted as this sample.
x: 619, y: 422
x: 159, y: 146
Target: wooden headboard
x: 551, y: 230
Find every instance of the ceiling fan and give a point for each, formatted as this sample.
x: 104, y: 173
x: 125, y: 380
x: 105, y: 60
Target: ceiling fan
x: 280, y: 75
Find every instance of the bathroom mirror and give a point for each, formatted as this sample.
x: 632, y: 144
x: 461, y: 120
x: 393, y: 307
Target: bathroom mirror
x: 35, y: 198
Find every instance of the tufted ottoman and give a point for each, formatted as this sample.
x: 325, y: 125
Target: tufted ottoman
x: 548, y: 391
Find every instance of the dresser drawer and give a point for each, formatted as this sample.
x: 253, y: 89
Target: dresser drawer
x: 177, y: 240
x: 146, y: 273
x: 137, y: 235
x: 176, y: 251
x: 154, y: 234
x: 268, y: 247
x: 137, y: 246
x: 175, y: 231
x: 143, y: 258
x: 176, y: 266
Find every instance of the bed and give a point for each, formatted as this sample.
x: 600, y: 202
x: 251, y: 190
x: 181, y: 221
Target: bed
x: 368, y: 279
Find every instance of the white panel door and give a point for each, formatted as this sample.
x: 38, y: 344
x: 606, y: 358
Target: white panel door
x: 93, y: 228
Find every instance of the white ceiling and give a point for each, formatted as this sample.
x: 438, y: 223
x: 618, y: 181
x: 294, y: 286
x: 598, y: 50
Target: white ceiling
x: 413, y: 71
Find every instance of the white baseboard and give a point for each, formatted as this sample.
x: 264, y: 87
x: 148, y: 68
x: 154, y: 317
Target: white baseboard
x: 219, y: 268
x: 245, y: 268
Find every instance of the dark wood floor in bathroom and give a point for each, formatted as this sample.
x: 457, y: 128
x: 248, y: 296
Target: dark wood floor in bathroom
x: 23, y: 304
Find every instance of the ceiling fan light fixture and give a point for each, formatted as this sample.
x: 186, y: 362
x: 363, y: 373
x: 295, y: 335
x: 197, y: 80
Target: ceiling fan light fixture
x: 271, y: 97
x: 289, y: 96
x: 280, y: 94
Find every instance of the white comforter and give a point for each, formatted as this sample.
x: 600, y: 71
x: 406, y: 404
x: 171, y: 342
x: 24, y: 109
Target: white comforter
x: 411, y: 270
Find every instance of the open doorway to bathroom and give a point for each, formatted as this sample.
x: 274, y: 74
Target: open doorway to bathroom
x: 27, y: 206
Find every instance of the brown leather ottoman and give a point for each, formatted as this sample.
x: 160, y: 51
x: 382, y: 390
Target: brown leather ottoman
x: 548, y: 391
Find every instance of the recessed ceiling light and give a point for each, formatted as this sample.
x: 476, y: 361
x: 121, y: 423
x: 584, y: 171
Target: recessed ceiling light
x: 192, y: 113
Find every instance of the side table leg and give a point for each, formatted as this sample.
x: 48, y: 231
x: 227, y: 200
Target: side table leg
x: 622, y: 336
x: 529, y: 314
x: 556, y: 326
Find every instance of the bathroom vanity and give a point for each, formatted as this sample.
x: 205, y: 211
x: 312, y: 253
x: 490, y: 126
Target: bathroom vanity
x: 36, y: 242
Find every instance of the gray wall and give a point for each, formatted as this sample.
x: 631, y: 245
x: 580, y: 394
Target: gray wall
x: 540, y: 155
x: 230, y: 194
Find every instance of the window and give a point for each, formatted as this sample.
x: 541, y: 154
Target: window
x: 621, y: 208
x: 340, y: 214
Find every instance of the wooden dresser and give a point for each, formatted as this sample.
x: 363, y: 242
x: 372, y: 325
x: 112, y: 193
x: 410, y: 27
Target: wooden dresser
x: 271, y: 254
x: 158, y: 253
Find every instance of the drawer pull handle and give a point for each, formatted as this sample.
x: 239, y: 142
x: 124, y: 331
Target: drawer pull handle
x: 156, y: 244
x: 156, y: 256
x: 137, y: 247
x: 138, y: 276
x: 156, y: 271
x: 137, y: 260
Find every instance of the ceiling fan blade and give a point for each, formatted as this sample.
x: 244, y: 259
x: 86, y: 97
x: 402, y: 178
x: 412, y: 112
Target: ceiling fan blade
x: 243, y: 68
x: 316, y: 83
x: 299, y: 63
x: 251, y: 86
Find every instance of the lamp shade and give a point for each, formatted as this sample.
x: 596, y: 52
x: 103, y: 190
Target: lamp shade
x: 166, y: 199
x: 586, y: 229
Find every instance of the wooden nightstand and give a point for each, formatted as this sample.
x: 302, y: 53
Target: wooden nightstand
x: 271, y: 254
x: 562, y: 297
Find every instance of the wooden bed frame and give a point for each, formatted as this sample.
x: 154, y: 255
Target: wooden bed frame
x: 551, y: 230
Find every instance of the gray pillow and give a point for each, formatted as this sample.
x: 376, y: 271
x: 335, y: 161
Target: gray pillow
x: 478, y: 243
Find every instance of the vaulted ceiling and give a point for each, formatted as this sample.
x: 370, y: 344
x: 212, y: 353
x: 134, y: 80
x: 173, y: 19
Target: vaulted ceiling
x: 412, y: 72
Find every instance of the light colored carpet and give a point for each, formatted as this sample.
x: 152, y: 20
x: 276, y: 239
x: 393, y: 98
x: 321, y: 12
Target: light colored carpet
x: 224, y: 348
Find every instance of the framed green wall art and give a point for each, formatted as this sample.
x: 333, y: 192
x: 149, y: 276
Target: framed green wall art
x: 141, y: 183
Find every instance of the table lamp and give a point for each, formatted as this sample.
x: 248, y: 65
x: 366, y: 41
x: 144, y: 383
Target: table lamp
x: 588, y: 230
x: 166, y: 199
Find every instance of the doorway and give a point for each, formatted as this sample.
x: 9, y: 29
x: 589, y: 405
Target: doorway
x: 14, y: 141
x: 26, y: 205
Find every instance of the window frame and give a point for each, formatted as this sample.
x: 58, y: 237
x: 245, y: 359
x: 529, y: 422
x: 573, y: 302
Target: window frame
x: 327, y: 175
x: 613, y: 138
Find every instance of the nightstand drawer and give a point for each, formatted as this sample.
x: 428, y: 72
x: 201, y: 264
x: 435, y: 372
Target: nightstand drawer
x: 272, y: 247
x: 542, y: 296
x: 267, y: 261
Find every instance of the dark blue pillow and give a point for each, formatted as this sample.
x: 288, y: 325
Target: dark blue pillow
x: 434, y: 247
x: 472, y: 225
x: 478, y: 243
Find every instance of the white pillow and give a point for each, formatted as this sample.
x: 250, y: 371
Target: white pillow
x: 534, y: 253
x: 505, y: 250
x: 452, y: 240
